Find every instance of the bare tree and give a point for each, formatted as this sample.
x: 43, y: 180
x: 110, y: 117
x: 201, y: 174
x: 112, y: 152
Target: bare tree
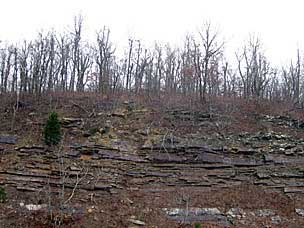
x: 211, y: 49
x: 66, y: 62
x: 129, y: 66
x: 78, y: 23
x: 64, y: 46
x: 170, y: 65
x: 104, y: 53
x: 85, y: 62
x: 23, y: 66
x: 254, y: 69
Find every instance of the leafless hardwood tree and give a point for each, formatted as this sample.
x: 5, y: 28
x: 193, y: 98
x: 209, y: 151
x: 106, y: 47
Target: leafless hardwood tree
x: 14, y: 86
x: 254, y: 69
x: 78, y: 23
x: 158, y: 71
x: 23, y: 66
x: 129, y: 66
x: 138, y: 67
x: 211, y: 49
x: 85, y: 63
x: 292, y: 78
x: 170, y: 65
x: 104, y: 53
x: 63, y: 53
x: 66, y: 62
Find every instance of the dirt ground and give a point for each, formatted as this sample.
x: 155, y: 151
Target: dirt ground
x: 127, y: 162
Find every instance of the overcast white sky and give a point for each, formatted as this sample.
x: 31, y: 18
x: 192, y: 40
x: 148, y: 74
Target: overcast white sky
x: 277, y: 22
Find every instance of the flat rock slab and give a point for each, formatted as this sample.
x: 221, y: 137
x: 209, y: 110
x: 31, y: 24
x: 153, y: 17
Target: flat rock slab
x: 197, y: 214
x: 31, y: 149
x: 225, y: 219
x: 8, y: 139
x: 118, y: 156
x: 204, y: 158
x: 73, y: 153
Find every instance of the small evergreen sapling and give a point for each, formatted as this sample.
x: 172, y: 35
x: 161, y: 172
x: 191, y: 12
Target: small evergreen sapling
x: 2, y: 195
x: 52, y: 133
x: 197, y: 225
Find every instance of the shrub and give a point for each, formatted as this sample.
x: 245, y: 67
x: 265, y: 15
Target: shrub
x: 197, y: 225
x: 52, y: 133
x: 2, y: 195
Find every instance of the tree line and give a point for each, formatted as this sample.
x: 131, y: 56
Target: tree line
x: 66, y: 62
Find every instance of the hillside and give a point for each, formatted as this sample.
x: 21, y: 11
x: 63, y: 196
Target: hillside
x: 139, y: 162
